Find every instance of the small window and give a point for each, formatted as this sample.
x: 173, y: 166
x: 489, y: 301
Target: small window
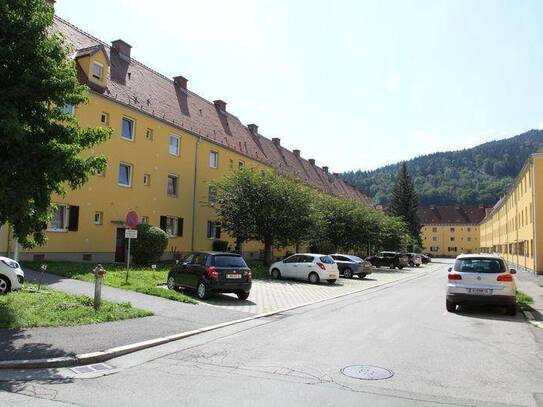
x: 469, y: 229
x: 174, y: 145
x: 213, y: 230
x: 146, y: 180
x: 469, y: 239
x: 104, y: 118
x: 213, y: 159
x: 171, y: 226
x: 149, y: 134
x: 97, y: 70
x: 172, y: 185
x: 101, y: 173
x: 145, y: 220
x: 434, y: 239
x: 241, y: 164
x: 125, y: 175
x: 452, y: 230
x: 452, y: 239
x: 127, y: 129
x: 60, y: 219
x: 98, y: 218
x: 69, y: 108
x: 212, y: 195
x: 434, y: 230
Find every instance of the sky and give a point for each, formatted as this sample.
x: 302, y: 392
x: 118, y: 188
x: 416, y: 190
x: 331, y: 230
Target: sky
x: 353, y: 84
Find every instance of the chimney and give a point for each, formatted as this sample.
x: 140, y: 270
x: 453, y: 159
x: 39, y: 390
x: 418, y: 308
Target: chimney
x: 276, y: 141
x: 122, y: 48
x: 296, y: 153
x: 220, y: 104
x: 253, y: 128
x: 325, y: 169
x: 311, y: 161
x: 181, y: 82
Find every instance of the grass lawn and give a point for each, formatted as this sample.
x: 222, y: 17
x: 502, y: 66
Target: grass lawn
x: 29, y: 309
x: 143, y: 280
x: 524, y: 301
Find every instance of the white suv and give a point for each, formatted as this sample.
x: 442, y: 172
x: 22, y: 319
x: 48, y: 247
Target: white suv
x: 481, y: 279
x: 11, y: 275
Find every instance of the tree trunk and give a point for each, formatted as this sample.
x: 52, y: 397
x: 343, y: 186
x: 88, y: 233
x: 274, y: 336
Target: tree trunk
x: 268, y: 251
x: 297, y: 248
x: 239, y: 246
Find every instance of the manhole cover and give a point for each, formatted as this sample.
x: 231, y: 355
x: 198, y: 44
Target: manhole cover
x: 367, y: 372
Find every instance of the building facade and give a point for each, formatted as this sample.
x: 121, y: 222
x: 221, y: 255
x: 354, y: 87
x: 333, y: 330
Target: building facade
x: 167, y: 148
x: 451, y: 230
x: 514, y: 226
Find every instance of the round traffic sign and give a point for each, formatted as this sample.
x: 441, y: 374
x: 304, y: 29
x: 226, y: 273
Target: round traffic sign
x: 132, y: 219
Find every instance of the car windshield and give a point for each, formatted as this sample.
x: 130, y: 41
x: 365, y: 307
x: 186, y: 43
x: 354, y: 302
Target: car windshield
x: 479, y: 265
x: 327, y: 260
x: 229, y: 261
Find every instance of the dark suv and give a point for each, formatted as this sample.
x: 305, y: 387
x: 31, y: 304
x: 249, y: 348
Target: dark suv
x: 209, y: 272
x: 389, y: 259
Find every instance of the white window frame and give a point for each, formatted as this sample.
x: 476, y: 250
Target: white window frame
x: 176, y: 137
x: 64, y: 226
x: 171, y: 221
x: 106, y: 115
x: 147, y: 180
x: 100, y: 219
x: 213, y: 159
x: 176, y: 186
x: 133, y: 128
x: 209, y: 195
x: 99, y: 65
x: 130, y: 175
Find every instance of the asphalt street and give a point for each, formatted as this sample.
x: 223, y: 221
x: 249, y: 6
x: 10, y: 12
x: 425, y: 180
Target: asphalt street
x: 477, y: 357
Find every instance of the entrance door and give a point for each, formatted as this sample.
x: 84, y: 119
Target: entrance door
x: 120, y: 246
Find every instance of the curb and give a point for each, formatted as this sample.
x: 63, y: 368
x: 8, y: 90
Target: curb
x: 103, y: 356
x: 531, y: 319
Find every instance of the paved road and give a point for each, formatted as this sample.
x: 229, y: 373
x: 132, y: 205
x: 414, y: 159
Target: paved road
x: 473, y: 358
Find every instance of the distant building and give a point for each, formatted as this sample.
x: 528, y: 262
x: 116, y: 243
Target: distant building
x: 451, y: 230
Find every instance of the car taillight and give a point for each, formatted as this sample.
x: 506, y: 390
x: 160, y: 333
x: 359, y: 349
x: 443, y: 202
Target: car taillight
x: 321, y: 266
x: 249, y: 274
x: 212, y: 273
x: 454, y: 276
x: 505, y: 277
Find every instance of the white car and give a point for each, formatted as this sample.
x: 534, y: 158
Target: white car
x: 12, y: 276
x: 306, y: 266
x: 481, y: 279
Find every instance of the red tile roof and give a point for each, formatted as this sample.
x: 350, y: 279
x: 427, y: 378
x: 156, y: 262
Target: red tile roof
x: 451, y: 214
x: 135, y: 84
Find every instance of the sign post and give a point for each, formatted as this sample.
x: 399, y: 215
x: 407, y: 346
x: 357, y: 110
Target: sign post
x: 132, y: 221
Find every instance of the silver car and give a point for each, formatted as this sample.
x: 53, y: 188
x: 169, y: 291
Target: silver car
x: 11, y: 275
x: 350, y: 265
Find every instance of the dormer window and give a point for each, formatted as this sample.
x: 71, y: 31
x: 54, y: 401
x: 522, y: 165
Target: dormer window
x: 97, y: 70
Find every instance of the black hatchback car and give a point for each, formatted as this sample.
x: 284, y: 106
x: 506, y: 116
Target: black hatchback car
x: 212, y: 272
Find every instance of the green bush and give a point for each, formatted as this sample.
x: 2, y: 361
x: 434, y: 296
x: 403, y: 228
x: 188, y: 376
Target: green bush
x: 150, y: 244
x: 220, y: 245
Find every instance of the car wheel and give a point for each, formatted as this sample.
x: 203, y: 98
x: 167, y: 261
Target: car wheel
x: 451, y: 306
x: 171, y: 283
x: 276, y: 274
x: 5, y: 285
x: 392, y: 266
x: 411, y: 264
x: 331, y: 281
x: 362, y: 275
x: 202, y: 291
x: 242, y: 295
x: 400, y: 267
x: 511, y: 310
x: 313, y: 278
x: 418, y: 265
x: 348, y: 273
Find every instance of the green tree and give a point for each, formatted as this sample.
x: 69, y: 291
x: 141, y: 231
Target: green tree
x: 149, y: 247
x: 40, y: 144
x: 405, y: 202
x: 393, y: 234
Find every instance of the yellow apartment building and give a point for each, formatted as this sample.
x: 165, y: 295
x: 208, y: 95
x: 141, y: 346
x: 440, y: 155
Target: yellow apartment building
x: 451, y: 230
x: 168, y: 146
x: 514, y: 226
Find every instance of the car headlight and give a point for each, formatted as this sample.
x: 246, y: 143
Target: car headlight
x: 11, y: 263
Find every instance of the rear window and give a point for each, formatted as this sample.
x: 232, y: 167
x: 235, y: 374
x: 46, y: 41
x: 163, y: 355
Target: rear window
x: 479, y: 265
x: 229, y: 261
x: 327, y: 260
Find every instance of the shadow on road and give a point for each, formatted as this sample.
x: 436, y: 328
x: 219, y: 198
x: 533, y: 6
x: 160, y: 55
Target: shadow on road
x: 488, y: 312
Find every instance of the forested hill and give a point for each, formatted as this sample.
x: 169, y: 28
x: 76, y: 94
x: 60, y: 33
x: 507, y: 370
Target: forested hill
x: 472, y: 176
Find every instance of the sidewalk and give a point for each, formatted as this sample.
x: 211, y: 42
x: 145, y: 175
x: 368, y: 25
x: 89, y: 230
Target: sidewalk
x: 170, y: 317
x: 532, y: 284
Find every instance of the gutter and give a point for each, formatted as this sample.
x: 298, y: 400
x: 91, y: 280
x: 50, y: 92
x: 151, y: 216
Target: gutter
x: 193, y: 231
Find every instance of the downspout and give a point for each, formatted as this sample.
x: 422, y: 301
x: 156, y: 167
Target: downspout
x: 193, y: 232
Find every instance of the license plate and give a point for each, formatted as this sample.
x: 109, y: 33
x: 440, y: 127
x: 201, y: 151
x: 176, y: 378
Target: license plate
x: 331, y: 275
x: 480, y: 291
x: 233, y: 276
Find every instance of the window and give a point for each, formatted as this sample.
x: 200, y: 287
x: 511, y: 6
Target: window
x: 145, y: 220
x: 434, y: 249
x: 469, y: 229
x: 104, y: 118
x: 149, y: 134
x: 213, y: 230
x: 127, y: 131
x: 70, y: 109
x: 146, y: 180
x: 469, y: 239
x: 97, y: 70
x: 241, y: 164
x: 172, y: 185
x: 125, y: 175
x: 434, y: 230
x: 451, y: 249
x: 452, y: 230
x: 60, y: 219
x: 212, y: 195
x: 174, y: 145
x: 452, y: 239
x: 171, y: 226
x: 479, y: 265
x: 434, y: 238
x: 229, y: 261
x: 213, y: 159
x: 98, y: 218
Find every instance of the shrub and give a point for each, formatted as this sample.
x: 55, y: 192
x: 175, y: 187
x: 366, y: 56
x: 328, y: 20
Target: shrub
x: 150, y: 244
x: 220, y: 245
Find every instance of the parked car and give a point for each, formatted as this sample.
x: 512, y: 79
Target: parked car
x: 12, y: 277
x: 389, y: 259
x: 212, y: 272
x: 350, y: 266
x: 425, y: 259
x: 415, y: 259
x: 481, y: 279
x: 306, y: 266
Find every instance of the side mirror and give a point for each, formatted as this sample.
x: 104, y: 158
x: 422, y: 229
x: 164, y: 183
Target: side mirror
x: 450, y: 269
x: 513, y: 271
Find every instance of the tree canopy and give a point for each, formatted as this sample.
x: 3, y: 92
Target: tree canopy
x: 405, y: 203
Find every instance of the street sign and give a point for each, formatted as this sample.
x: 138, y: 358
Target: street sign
x: 132, y: 219
x: 131, y: 233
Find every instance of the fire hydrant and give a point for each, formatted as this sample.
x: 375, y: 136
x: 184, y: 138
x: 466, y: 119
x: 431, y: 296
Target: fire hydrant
x: 99, y: 273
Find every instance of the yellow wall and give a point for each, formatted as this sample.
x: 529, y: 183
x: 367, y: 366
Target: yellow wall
x: 436, y: 239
